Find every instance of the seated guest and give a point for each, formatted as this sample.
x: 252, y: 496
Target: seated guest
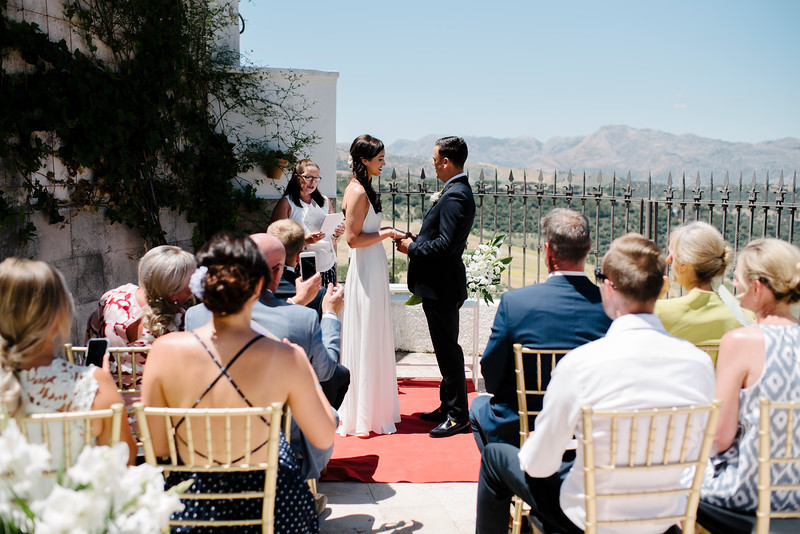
x: 292, y: 287
x: 636, y: 365
x: 320, y: 340
x: 132, y: 316
x: 562, y: 313
x: 226, y: 364
x: 699, y: 258
x: 35, y: 318
x: 762, y: 360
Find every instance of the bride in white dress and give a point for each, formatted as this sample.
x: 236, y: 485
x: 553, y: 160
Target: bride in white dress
x: 371, y: 403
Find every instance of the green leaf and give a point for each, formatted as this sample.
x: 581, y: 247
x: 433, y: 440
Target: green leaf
x: 413, y: 300
x: 505, y: 261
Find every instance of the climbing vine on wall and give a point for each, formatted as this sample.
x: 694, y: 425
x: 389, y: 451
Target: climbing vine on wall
x: 153, y: 128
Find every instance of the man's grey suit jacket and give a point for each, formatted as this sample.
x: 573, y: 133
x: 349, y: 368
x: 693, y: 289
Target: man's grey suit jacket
x: 320, y: 339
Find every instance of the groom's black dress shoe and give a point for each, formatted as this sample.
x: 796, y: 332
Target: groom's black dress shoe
x: 449, y: 427
x: 438, y: 415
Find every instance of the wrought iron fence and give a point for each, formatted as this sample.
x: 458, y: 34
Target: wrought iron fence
x: 741, y: 211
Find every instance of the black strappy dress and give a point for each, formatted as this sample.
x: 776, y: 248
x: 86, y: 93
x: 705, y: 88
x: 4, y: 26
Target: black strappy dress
x: 294, y: 504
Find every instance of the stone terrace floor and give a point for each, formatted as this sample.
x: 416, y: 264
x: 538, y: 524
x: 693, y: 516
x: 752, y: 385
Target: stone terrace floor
x: 357, y: 507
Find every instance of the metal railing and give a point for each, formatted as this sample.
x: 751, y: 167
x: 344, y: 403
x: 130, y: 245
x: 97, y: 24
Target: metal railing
x: 614, y: 207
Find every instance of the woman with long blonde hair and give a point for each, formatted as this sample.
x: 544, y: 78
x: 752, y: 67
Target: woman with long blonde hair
x: 35, y: 318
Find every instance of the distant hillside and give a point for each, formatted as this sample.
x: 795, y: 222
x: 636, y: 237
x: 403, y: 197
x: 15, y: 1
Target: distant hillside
x: 610, y: 149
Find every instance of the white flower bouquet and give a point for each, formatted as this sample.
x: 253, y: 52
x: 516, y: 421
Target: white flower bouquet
x: 484, y: 267
x: 98, y: 494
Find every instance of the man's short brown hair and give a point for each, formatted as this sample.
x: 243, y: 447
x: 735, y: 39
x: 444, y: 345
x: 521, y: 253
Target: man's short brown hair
x: 567, y: 232
x: 636, y: 265
x: 291, y: 234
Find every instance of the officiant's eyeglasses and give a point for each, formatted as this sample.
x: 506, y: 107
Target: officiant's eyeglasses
x: 310, y: 178
x: 599, y: 277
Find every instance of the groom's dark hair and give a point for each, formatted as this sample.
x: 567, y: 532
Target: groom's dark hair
x: 454, y: 149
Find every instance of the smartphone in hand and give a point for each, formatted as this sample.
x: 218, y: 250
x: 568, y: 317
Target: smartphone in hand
x: 95, y: 350
x: 308, y: 265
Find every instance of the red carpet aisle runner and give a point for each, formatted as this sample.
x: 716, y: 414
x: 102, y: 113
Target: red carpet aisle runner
x: 410, y: 454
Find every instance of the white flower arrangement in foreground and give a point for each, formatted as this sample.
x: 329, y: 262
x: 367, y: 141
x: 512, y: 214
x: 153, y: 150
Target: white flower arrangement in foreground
x: 98, y: 494
x: 484, y: 267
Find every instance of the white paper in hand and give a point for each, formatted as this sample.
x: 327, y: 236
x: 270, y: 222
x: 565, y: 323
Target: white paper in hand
x: 730, y: 301
x: 331, y: 222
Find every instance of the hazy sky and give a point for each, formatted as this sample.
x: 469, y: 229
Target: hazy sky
x: 721, y: 69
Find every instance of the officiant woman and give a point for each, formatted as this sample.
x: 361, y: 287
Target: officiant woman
x: 303, y: 202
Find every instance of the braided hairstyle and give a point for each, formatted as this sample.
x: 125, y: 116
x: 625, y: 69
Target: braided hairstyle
x: 164, y: 271
x: 366, y: 147
x: 35, y: 314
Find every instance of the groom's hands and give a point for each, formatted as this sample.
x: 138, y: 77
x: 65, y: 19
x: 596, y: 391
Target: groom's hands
x: 403, y: 244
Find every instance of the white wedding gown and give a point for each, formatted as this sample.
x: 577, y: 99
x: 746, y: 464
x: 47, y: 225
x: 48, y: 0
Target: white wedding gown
x: 371, y: 403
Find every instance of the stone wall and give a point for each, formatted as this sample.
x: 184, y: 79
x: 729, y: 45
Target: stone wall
x: 95, y: 255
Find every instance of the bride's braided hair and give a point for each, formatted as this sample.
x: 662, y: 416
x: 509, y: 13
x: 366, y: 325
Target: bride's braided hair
x: 35, y: 311
x: 366, y: 147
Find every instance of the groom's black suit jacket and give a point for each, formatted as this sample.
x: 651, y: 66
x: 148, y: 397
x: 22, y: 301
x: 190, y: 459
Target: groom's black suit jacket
x: 435, y: 269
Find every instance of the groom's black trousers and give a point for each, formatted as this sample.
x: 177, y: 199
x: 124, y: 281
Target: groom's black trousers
x: 443, y: 325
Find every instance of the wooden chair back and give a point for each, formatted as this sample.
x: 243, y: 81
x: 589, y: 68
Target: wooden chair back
x: 205, y: 444
x: 55, y: 431
x: 643, y: 442
x: 542, y: 362
x: 130, y: 360
x: 778, y: 459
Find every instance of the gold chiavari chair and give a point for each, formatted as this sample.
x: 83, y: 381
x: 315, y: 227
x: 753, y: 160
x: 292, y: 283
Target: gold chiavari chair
x: 207, y: 445
x: 130, y: 360
x: 126, y: 366
x: 645, y: 443
x: 55, y: 430
x: 784, y: 458
x: 543, y: 361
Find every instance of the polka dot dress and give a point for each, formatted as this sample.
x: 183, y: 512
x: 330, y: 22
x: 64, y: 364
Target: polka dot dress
x: 294, y: 504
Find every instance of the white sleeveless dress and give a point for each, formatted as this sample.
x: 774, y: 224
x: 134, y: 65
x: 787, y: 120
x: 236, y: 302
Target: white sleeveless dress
x: 371, y: 403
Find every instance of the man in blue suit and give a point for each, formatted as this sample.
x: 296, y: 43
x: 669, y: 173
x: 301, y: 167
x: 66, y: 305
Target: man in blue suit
x: 320, y: 339
x: 562, y: 313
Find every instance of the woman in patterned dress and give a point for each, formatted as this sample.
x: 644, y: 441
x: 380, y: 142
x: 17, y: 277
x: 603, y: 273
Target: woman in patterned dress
x: 35, y: 318
x: 762, y: 360
x: 133, y: 315
x: 226, y: 364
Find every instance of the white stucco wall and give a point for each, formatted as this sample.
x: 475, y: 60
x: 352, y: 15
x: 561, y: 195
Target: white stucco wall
x: 319, y: 90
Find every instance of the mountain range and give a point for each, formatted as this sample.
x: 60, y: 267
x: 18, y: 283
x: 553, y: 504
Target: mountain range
x: 611, y: 149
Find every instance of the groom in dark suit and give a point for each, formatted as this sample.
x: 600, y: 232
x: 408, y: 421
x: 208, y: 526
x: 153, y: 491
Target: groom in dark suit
x: 437, y: 274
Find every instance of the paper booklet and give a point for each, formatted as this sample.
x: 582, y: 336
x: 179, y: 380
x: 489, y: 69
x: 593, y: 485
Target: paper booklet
x: 332, y: 220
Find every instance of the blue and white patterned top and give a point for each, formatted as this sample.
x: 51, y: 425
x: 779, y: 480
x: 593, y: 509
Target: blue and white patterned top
x: 731, y: 478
